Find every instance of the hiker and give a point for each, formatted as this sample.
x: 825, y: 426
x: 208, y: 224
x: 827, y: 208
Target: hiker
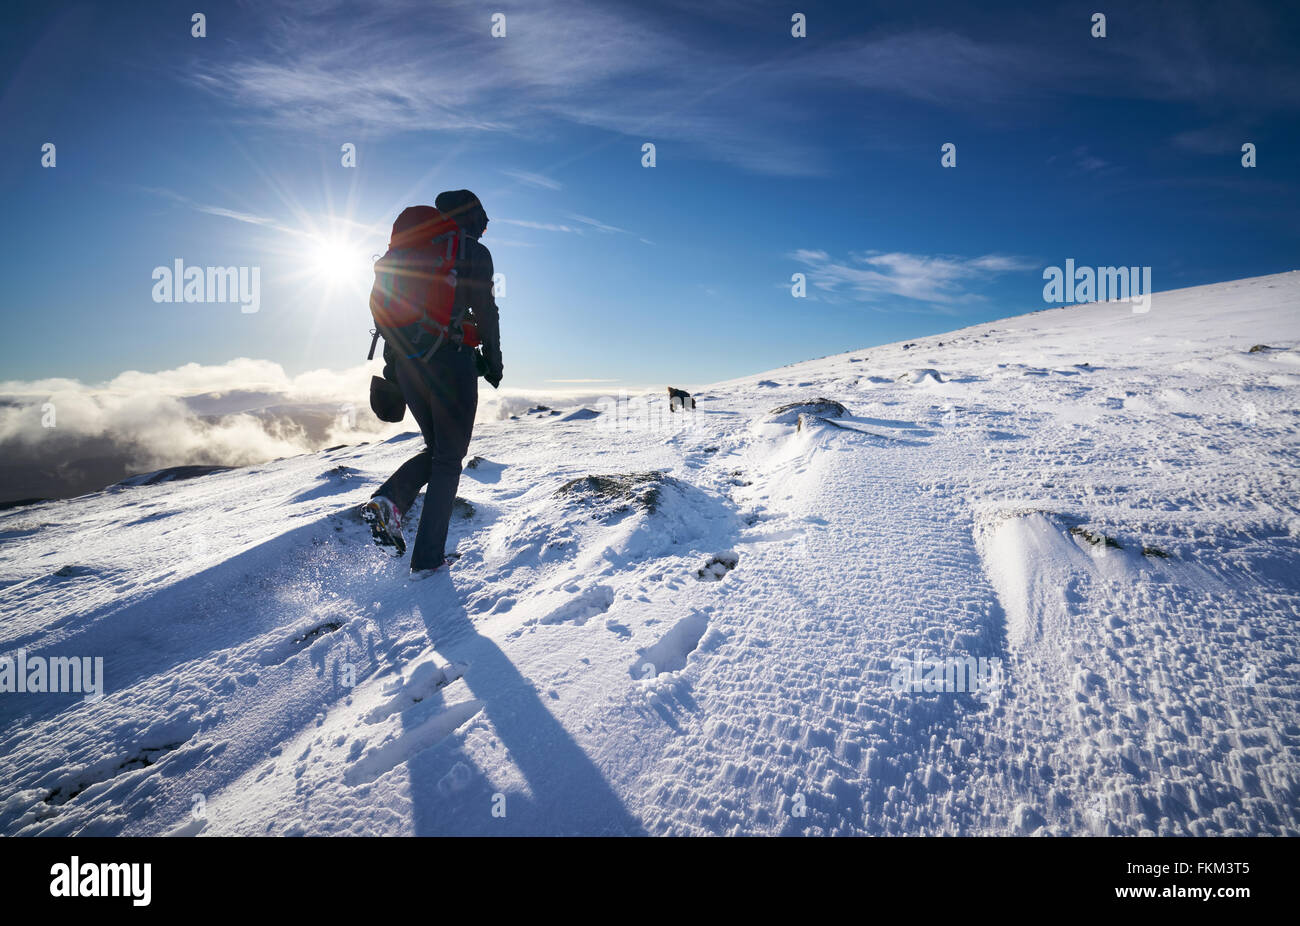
x: 433, y: 304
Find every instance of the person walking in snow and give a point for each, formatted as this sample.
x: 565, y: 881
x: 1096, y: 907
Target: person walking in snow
x: 429, y: 346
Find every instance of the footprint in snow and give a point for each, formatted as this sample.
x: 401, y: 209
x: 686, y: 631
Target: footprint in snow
x: 75, y: 784
x: 596, y: 600
x: 672, y: 650
x: 425, y: 679
x: 392, y: 751
x: 283, y: 650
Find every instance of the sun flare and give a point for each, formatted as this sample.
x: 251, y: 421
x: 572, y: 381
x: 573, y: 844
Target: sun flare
x: 338, y: 261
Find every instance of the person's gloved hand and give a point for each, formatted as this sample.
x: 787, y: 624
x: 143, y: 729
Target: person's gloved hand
x: 485, y: 370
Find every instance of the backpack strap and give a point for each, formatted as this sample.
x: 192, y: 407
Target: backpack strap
x: 460, y: 311
x: 452, y: 243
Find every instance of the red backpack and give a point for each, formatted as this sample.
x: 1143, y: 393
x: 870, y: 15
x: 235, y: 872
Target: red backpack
x: 415, y: 284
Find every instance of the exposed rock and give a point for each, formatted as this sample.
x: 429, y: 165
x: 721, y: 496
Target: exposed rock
x: 921, y: 375
x: 172, y: 474
x: 819, y: 407
x: 617, y: 492
x: 718, y: 566
x: 1094, y: 538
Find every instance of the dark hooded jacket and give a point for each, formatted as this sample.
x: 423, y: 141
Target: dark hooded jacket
x: 474, y: 273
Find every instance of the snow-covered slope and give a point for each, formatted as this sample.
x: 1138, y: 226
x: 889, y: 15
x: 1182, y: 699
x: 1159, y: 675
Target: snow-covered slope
x: 710, y: 637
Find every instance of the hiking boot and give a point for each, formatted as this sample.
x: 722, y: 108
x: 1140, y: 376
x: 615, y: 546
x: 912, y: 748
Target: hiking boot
x: 385, y: 523
x: 419, y: 575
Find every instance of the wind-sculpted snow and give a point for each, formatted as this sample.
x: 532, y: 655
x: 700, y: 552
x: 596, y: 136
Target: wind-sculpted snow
x: 1040, y: 576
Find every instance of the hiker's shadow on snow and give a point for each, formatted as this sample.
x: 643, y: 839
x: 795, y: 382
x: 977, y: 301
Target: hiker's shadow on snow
x: 196, y: 619
x: 566, y: 793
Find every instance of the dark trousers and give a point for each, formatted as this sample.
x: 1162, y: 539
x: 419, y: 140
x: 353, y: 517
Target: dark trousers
x: 442, y: 395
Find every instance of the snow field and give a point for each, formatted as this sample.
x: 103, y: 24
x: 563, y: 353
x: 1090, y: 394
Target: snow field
x: 694, y: 631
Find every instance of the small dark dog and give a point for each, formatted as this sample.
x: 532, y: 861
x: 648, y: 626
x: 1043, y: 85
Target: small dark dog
x: 678, y: 398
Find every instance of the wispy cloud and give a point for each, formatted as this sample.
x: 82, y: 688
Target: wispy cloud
x: 401, y: 70
x: 246, y: 217
x: 534, y: 180
x: 540, y: 226
x: 511, y: 243
x: 871, y: 276
x: 598, y: 224
x: 1088, y: 162
x: 1212, y: 140
x: 586, y: 223
x: 221, y: 211
x: 635, y: 71
x: 936, y: 66
x: 1081, y: 159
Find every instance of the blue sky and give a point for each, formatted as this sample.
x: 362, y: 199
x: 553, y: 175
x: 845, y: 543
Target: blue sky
x: 775, y: 155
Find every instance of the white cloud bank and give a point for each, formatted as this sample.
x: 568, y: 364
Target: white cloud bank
x: 61, y: 437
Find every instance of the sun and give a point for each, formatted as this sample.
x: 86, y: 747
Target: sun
x: 338, y: 261
x: 330, y: 260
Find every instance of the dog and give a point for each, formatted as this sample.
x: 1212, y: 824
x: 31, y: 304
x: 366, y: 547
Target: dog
x: 677, y: 398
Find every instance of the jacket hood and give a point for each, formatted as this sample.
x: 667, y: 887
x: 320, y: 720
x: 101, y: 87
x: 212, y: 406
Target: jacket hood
x: 463, y: 208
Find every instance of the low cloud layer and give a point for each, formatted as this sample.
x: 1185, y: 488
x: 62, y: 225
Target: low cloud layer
x: 61, y: 438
